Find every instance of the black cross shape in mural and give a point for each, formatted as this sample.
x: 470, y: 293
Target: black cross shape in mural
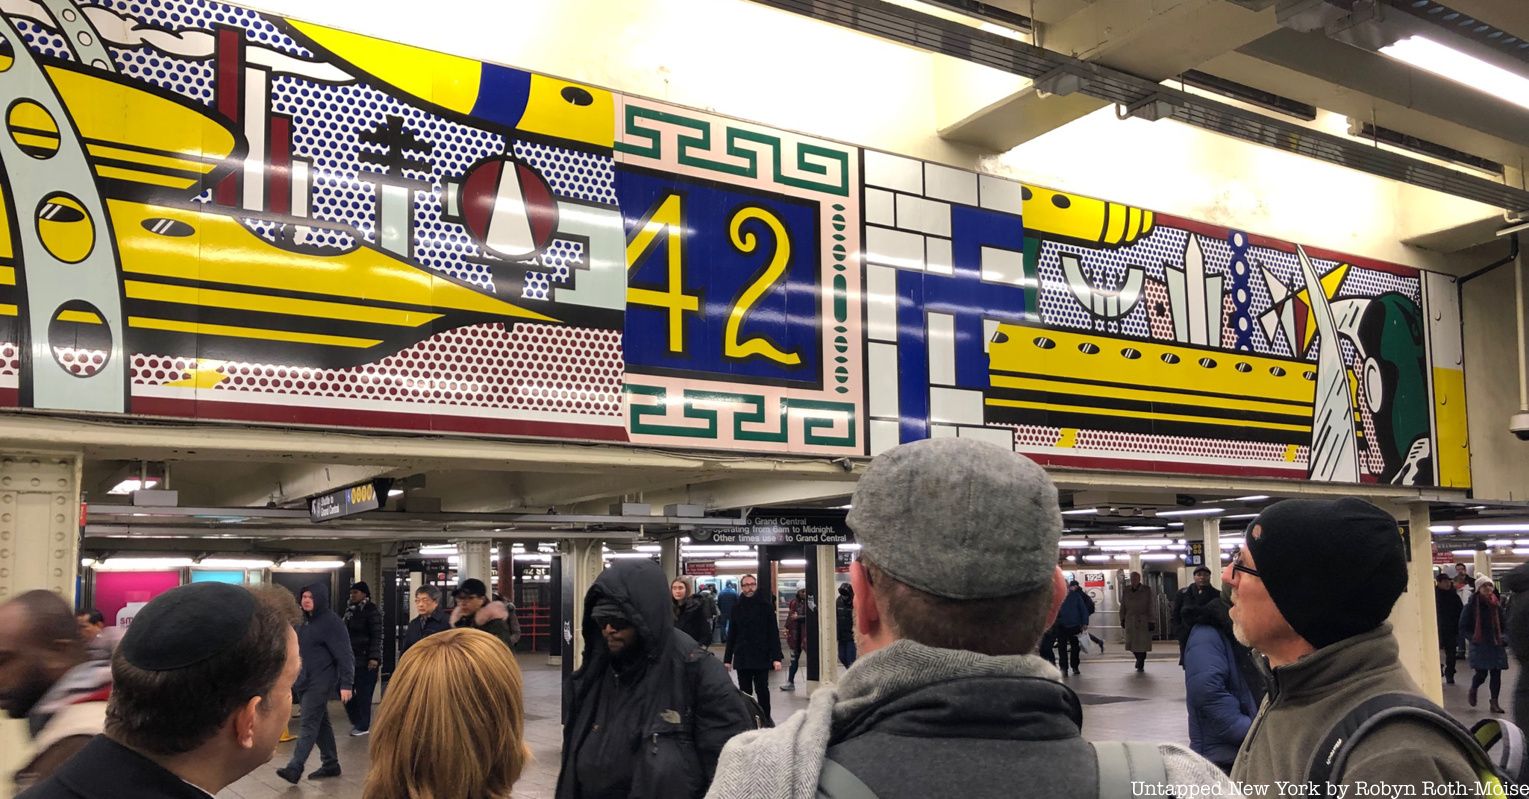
x: 401, y: 152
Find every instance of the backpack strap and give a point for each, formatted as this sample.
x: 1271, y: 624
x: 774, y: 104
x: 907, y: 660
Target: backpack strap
x: 1124, y: 762
x: 1504, y: 743
x: 1330, y: 758
x: 837, y: 782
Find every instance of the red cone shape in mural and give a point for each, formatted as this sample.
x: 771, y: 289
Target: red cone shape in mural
x: 508, y: 207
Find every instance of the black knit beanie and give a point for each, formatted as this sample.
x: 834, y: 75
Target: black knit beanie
x: 1290, y: 539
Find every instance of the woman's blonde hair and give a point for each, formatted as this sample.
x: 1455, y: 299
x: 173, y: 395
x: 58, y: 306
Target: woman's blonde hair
x: 452, y: 723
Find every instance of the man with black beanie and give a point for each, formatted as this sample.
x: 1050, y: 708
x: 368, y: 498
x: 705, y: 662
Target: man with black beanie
x: 1330, y: 647
x: 363, y: 620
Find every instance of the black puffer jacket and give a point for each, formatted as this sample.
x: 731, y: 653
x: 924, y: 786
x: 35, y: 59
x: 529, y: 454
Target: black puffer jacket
x: 690, y: 617
x: 655, y: 727
x: 364, y: 623
x: 1516, y: 583
x: 753, y: 637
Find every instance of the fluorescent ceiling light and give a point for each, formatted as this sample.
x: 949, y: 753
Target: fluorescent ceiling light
x: 736, y: 563
x: 1080, y: 512
x: 1231, y: 543
x: 1441, y: 528
x: 1494, y: 528
x: 1191, y: 512
x: 794, y: 562
x: 1251, y: 498
x: 234, y: 563
x: 534, y: 558
x: 132, y: 484
x: 312, y: 565
x: 1498, y: 542
x: 1521, y: 551
x: 1159, y: 556
x: 1241, y: 516
x: 1447, y: 62
x: 1144, y: 528
x: 395, y: 492
x: 628, y: 555
x: 1466, y: 552
x: 849, y: 547
x: 142, y: 564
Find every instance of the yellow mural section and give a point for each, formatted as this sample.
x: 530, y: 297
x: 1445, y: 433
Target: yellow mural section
x: 1454, y: 453
x: 1060, y: 215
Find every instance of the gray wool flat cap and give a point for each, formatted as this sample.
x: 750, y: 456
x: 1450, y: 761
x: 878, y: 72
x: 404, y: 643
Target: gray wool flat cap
x: 958, y: 518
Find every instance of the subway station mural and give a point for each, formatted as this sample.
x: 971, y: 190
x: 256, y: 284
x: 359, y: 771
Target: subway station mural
x: 217, y: 214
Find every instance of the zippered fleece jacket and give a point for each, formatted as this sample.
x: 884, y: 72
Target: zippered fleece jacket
x: 1307, y: 697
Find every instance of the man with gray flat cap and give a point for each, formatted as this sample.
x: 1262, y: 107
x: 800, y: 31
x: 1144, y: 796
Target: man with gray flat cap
x: 956, y: 580
x: 201, y: 691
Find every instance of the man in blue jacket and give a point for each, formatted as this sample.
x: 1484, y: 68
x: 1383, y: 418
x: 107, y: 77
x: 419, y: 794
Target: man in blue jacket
x: 329, y: 671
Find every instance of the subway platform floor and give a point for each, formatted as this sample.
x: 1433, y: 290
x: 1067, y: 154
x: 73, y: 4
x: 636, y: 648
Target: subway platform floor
x: 1118, y: 704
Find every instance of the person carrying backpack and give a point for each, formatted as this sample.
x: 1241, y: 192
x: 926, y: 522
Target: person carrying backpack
x: 955, y: 581
x: 1333, y: 656
x: 649, y: 710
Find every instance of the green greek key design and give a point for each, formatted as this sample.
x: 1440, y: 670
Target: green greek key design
x: 817, y: 418
x: 700, y: 142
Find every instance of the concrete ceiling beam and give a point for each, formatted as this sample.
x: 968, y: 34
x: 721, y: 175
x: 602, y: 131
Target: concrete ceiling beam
x: 1153, y: 40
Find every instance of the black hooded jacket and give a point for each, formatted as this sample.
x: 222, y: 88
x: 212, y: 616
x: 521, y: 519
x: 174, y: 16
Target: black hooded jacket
x: 1516, y: 583
x: 654, y: 725
x: 324, y: 644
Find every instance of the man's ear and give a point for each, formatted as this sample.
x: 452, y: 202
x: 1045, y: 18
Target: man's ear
x: 1058, y: 594
x: 245, y: 718
x: 867, y: 617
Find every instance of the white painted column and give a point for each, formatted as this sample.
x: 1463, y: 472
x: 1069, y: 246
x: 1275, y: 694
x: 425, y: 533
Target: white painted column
x: 1133, y: 564
x: 827, y: 592
x: 1483, y: 564
x: 584, y: 559
x: 475, y: 561
x: 1207, y: 531
x: 1413, y: 618
x: 669, y: 557
x: 39, y: 548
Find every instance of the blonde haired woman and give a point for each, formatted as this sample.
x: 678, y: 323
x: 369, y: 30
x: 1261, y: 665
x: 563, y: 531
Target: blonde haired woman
x: 451, y: 725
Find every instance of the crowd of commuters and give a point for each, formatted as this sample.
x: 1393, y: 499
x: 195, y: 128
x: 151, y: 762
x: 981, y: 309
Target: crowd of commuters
x: 953, y: 609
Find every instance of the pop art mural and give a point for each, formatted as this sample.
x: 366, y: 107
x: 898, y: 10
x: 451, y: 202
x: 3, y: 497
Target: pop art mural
x: 217, y: 214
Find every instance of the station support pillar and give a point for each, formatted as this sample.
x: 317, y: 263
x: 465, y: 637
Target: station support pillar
x: 583, y: 560
x: 669, y: 557
x: 1414, y: 617
x: 827, y: 592
x: 369, y: 569
x: 1483, y: 564
x: 1206, y: 530
x: 475, y: 561
x: 39, y: 549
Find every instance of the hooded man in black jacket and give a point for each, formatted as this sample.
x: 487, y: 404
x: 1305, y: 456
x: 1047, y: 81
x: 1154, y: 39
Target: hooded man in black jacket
x: 328, y: 672
x: 1447, y: 606
x: 363, y: 620
x: 650, y: 709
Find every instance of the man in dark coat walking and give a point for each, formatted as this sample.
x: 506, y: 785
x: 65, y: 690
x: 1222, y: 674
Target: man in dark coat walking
x: 1516, y: 584
x: 753, y: 642
x: 328, y: 672
x: 1447, y: 607
x: 364, y: 623
x: 431, y: 619
x: 650, y: 709
x: 726, y: 601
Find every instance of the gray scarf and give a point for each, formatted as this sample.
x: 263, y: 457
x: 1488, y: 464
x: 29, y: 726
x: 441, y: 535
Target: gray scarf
x: 784, y: 762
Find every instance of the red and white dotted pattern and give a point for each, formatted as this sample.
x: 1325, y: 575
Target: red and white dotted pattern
x: 157, y: 370
x: 530, y: 367
x: 10, y: 358
x: 80, y: 362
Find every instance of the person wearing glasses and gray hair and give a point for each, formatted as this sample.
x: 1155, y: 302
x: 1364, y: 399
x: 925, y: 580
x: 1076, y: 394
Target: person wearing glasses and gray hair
x: 1331, y: 652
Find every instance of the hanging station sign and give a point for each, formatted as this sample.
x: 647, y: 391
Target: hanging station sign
x: 350, y: 501
x: 814, y: 527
